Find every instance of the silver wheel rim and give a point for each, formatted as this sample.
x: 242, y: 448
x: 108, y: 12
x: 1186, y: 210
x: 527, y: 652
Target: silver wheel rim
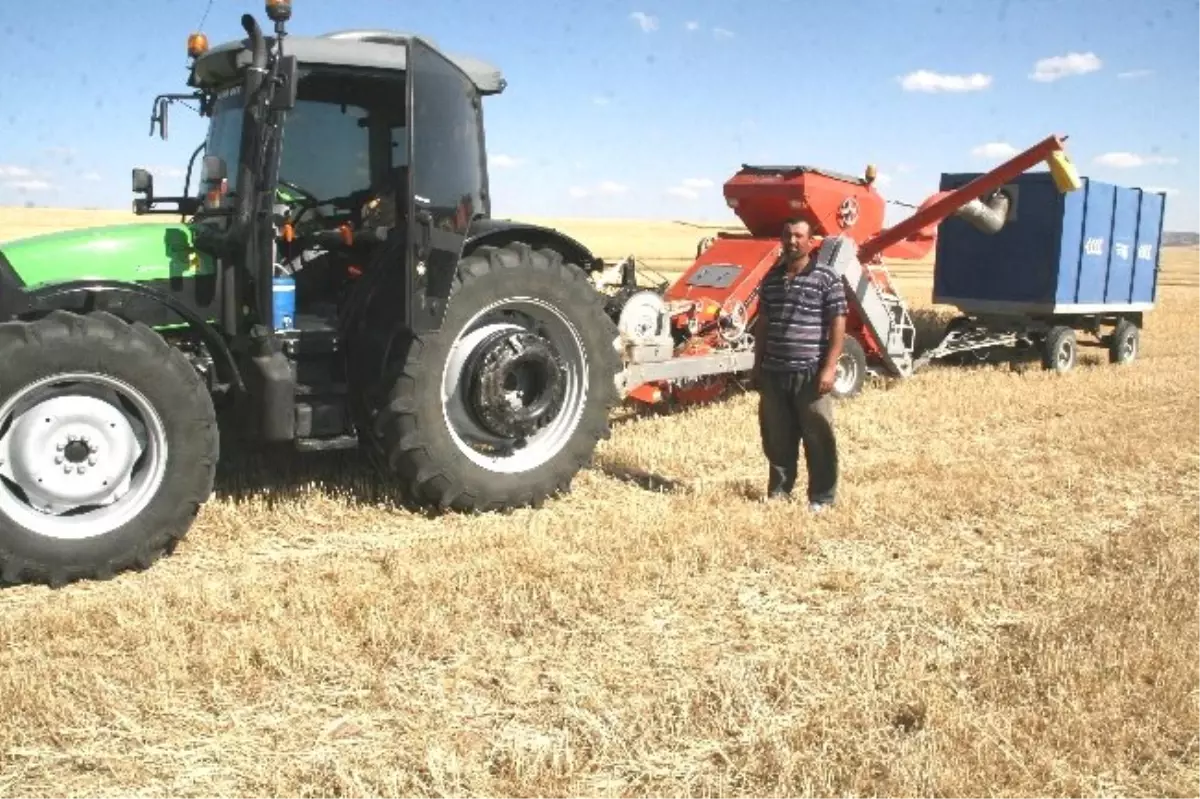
x: 1063, y: 355
x: 1128, y: 347
x: 845, y: 374
x: 81, y: 454
x: 484, y: 448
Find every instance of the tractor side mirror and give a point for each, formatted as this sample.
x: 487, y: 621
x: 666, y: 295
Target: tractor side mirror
x: 213, y: 170
x: 285, y: 92
x: 143, y: 182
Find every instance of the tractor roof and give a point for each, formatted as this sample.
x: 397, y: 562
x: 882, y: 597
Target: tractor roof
x: 378, y: 49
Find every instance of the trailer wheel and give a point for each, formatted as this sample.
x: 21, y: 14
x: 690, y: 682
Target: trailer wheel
x: 851, y: 369
x: 108, y: 447
x: 1123, y: 345
x: 505, y: 403
x: 1059, y: 350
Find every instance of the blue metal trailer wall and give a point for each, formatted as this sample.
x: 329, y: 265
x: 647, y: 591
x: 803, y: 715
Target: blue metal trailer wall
x: 1088, y: 251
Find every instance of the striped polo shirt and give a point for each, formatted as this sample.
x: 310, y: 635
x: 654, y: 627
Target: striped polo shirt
x: 798, y: 313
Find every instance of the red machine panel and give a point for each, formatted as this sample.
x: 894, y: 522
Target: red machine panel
x: 764, y: 196
x: 728, y: 272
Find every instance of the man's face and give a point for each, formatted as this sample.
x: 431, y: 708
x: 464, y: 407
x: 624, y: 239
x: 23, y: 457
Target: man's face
x: 796, y: 240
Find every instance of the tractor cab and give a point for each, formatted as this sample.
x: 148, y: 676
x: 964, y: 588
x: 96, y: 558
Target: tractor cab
x: 325, y: 140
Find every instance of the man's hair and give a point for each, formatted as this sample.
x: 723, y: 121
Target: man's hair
x: 796, y: 220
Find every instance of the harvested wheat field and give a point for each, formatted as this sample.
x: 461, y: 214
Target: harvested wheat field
x: 1004, y: 602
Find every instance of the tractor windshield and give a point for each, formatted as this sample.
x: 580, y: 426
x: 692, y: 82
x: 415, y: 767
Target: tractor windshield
x: 345, y: 135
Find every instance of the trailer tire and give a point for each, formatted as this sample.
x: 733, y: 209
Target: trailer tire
x: 851, y: 369
x: 154, y: 388
x: 1060, y: 349
x: 425, y: 440
x: 1124, y: 343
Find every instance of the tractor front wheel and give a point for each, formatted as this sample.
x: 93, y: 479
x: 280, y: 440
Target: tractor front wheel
x: 506, y: 402
x: 108, y: 447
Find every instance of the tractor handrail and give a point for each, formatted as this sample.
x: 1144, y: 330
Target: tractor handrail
x: 942, y: 208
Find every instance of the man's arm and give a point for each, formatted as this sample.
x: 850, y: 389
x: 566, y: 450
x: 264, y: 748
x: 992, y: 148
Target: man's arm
x: 759, y: 332
x: 835, y: 323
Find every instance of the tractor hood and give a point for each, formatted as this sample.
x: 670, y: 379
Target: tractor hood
x: 134, y: 252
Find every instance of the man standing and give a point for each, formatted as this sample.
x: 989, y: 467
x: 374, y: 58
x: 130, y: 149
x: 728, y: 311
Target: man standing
x: 798, y: 339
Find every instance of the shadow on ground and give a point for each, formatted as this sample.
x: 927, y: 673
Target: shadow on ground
x: 282, y: 475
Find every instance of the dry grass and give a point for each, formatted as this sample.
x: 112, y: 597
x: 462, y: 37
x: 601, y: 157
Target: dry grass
x: 1004, y: 603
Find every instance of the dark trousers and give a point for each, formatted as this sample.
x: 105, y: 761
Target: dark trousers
x: 790, y: 414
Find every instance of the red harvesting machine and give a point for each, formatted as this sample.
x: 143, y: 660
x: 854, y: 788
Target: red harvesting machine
x: 685, y: 342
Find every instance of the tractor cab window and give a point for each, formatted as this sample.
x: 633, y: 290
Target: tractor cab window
x: 343, y: 140
x: 339, y: 141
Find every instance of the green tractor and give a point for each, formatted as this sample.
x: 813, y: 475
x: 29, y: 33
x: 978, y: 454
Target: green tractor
x: 335, y: 281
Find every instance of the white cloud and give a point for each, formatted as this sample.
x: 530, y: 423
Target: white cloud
x: 1061, y: 66
x: 883, y: 179
x: 165, y: 171
x: 692, y: 25
x: 690, y: 188
x: 30, y: 185
x: 924, y: 80
x: 604, y: 187
x: 61, y: 152
x: 602, y: 99
x: 994, y: 150
x: 24, y: 179
x: 502, y: 161
x: 645, y: 21
x: 91, y: 177
x: 1135, y: 73
x: 722, y: 33
x: 1132, y: 160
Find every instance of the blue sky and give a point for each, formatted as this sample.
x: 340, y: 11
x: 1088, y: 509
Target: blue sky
x: 643, y: 108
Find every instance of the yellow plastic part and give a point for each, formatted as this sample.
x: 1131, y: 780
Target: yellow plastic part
x: 1063, y: 171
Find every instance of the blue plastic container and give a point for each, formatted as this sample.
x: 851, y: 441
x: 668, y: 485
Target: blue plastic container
x: 284, y: 295
x: 1095, y: 250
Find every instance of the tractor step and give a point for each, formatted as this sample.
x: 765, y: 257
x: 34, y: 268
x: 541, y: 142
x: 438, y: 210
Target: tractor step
x: 326, y: 444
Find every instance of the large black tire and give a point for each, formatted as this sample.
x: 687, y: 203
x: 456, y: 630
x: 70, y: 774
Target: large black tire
x: 421, y: 445
x: 70, y: 450
x: 851, y: 369
x: 1124, y: 344
x: 1060, y: 350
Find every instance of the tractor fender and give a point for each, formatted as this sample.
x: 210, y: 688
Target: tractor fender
x: 18, y: 302
x: 499, y: 232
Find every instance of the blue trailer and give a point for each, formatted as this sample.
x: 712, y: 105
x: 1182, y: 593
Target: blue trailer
x: 1081, y: 261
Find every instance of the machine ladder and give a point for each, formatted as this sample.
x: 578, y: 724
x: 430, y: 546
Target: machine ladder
x: 882, y: 310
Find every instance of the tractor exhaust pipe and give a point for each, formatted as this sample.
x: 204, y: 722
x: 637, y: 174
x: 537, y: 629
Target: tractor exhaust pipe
x: 989, y: 217
x: 258, y: 58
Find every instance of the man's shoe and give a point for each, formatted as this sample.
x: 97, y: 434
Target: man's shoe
x: 819, y: 507
x: 778, y: 494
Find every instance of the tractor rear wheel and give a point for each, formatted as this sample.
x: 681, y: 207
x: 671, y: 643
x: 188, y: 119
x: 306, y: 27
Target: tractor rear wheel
x: 506, y: 402
x: 108, y: 447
